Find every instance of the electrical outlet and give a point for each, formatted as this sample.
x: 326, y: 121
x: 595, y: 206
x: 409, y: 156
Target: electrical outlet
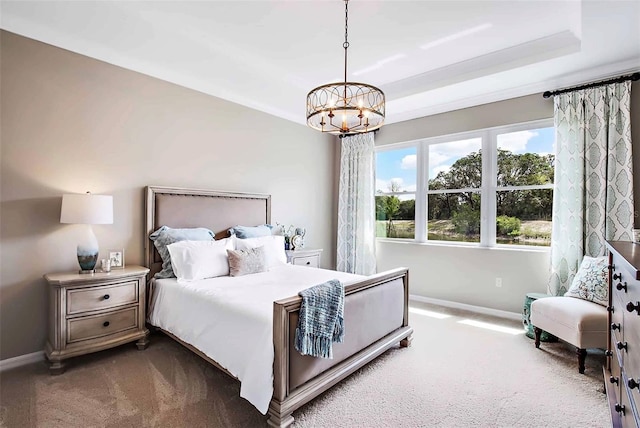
x: 498, y: 282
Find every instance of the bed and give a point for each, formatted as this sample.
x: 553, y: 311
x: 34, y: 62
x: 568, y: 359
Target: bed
x: 375, y: 307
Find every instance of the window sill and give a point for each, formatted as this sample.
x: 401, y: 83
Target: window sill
x: 466, y: 245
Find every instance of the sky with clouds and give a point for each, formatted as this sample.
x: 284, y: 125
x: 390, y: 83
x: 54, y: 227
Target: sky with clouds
x: 399, y: 166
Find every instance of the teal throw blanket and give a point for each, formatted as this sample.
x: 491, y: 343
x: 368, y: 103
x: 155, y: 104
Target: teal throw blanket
x: 321, y: 320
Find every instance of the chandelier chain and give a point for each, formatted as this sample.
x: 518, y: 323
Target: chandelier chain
x: 346, y: 41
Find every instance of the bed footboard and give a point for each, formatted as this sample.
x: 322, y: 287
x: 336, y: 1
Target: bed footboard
x: 376, y: 319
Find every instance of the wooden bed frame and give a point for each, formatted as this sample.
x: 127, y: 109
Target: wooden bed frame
x: 297, y: 379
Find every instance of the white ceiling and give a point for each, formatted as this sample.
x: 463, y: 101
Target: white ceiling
x: 427, y: 56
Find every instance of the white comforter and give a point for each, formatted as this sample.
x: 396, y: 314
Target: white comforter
x: 230, y: 319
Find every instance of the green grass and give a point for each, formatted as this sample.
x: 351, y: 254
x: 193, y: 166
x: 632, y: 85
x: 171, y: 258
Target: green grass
x: 534, y: 232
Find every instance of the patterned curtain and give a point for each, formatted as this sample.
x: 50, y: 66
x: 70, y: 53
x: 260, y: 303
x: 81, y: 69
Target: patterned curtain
x: 356, y: 206
x: 593, y: 193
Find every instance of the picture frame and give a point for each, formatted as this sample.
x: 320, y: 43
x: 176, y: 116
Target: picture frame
x: 117, y: 258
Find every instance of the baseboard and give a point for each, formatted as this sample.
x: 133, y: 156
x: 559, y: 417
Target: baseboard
x: 21, y: 360
x: 479, y: 309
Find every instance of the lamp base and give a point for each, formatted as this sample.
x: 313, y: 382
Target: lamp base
x: 92, y: 271
x: 87, y: 259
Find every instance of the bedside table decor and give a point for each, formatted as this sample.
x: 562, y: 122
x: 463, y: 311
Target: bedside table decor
x: 116, y: 257
x: 87, y: 209
x: 297, y: 240
x: 89, y: 313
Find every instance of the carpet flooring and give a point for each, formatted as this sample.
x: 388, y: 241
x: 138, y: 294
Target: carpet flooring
x: 455, y: 374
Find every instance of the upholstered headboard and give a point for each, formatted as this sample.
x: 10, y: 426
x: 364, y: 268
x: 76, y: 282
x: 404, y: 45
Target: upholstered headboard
x: 215, y: 210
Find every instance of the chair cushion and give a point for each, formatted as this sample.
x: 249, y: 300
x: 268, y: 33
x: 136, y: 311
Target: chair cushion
x: 579, y: 322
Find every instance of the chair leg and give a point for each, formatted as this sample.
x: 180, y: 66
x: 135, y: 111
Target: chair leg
x: 582, y: 354
x: 538, y: 333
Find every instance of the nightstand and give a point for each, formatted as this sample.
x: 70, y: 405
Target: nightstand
x: 304, y: 257
x: 92, y: 312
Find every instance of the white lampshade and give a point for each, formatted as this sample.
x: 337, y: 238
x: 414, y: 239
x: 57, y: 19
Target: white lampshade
x: 87, y: 209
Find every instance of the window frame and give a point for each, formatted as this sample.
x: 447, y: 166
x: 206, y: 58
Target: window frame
x: 488, y: 189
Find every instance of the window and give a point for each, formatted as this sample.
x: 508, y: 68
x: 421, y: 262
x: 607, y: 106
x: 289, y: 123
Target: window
x: 396, y: 193
x: 454, y: 190
x: 489, y: 187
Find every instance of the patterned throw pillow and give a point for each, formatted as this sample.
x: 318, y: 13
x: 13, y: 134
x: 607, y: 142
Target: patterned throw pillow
x: 591, y: 281
x: 273, y: 247
x: 245, y: 262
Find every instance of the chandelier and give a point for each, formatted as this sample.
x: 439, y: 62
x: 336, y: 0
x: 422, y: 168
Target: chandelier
x: 346, y: 107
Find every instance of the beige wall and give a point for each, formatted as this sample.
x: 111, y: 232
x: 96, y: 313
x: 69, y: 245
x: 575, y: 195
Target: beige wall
x: 72, y: 124
x: 468, y: 275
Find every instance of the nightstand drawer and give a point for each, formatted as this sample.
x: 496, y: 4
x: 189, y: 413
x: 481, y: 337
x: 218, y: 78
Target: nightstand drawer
x: 102, y: 325
x: 311, y: 261
x: 97, y: 298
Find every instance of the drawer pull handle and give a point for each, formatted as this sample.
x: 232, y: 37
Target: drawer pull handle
x: 633, y: 384
x: 631, y: 307
x: 105, y: 324
x: 308, y: 263
x: 617, y: 276
x: 615, y: 326
x: 622, y: 287
x: 619, y: 408
x: 614, y: 379
x: 621, y: 345
x: 608, y: 353
x: 106, y: 297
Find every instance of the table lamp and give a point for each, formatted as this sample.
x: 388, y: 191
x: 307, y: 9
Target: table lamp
x: 87, y: 209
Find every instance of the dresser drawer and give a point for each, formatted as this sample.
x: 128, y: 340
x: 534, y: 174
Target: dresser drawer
x: 615, y: 378
x: 96, y: 298
x: 623, y: 282
x: 90, y: 327
x: 630, y: 415
x: 311, y: 261
x: 632, y: 340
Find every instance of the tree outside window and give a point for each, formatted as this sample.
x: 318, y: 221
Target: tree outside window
x: 512, y: 188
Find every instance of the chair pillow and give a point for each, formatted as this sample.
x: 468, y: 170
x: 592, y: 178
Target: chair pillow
x: 245, y: 262
x: 591, y: 281
x: 165, y: 236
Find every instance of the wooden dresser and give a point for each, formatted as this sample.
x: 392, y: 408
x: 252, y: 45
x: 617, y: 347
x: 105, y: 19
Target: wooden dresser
x: 92, y: 312
x: 622, y: 370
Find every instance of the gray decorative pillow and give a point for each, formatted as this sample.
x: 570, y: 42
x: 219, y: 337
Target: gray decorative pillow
x: 244, y: 232
x: 591, y: 281
x: 245, y: 262
x: 165, y: 236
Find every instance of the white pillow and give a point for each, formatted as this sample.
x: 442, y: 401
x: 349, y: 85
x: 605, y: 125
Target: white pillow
x: 273, y: 248
x: 193, y: 260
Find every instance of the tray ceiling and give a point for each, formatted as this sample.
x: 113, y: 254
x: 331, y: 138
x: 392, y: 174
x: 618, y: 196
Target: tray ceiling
x: 428, y: 56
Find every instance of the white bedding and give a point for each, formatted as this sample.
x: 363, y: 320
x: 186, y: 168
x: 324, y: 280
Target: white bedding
x: 230, y: 319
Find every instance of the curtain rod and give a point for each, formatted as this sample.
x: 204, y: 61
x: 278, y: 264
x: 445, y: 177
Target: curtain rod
x: 620, y: 79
